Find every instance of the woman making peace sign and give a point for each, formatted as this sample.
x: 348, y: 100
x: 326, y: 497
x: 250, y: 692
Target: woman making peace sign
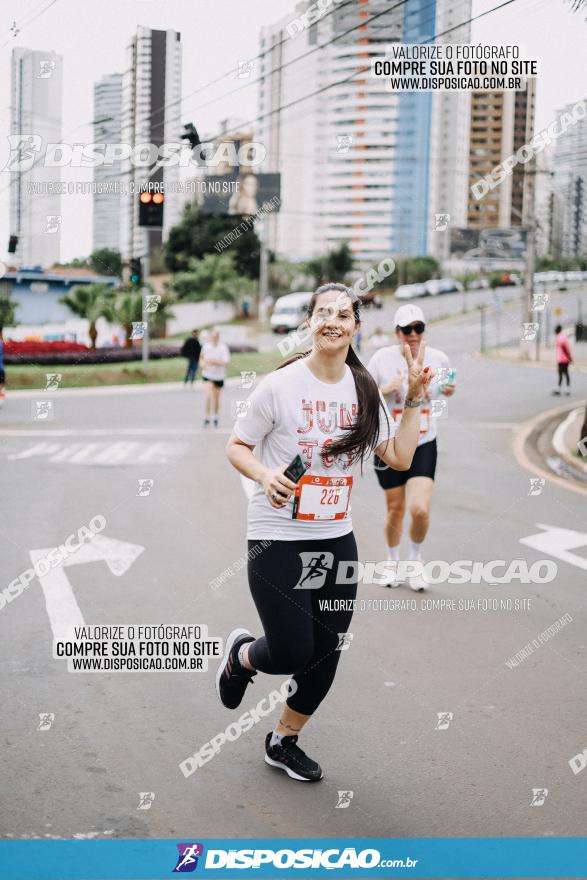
x: 325, y: 407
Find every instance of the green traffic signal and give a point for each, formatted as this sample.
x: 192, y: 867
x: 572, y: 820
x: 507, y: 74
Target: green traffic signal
x: 135, y: 273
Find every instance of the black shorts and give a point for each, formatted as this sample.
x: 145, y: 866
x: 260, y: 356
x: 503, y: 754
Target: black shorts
x: 423, y: 465
x: 218, y: 382
x: 2, y: 376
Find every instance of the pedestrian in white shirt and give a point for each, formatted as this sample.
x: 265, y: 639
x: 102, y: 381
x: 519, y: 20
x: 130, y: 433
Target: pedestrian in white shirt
x: 214, y: 359
x: 411, y: 489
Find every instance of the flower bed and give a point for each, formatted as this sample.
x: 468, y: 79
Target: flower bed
x: 41, y: 346
x: 54, y: 353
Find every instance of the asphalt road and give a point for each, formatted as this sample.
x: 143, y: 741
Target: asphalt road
x: 503, y: 313
x: 114, y: 736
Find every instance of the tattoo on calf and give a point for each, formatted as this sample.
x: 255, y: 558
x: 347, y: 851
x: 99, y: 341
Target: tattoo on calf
x: 290, y: 727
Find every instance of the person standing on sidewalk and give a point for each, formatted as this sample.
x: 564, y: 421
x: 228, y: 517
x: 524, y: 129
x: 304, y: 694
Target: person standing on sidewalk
x: 412, y: 488
x: 215, y: 357
x: 323, y: 410
x: 563, y: 359
x: 191, y: 350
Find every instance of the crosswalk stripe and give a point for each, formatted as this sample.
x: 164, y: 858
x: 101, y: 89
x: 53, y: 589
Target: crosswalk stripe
x: 120, y: 452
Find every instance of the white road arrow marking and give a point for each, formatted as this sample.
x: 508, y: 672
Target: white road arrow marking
x: 62, y: 607
x: 557, y: 542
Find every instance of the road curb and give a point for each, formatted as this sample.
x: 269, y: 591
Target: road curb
x: 559, y: 440
x: 524, y: 363
x: 138, y: 388
x: 521, y: 438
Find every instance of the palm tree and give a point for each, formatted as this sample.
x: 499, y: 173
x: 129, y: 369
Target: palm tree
x: 91, y: 301
x: 128, y: 309
x: 7, y: 310
x: 158, y: 319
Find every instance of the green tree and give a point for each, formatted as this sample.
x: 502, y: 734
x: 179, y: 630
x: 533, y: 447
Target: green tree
x: 128, y: 308
x: 287, y: 276
x: 158, y: 319
x: 197, y: 234
x: 106, y: 261
x: 90, y: 301
x: 561, y: 264
x: 7, y: 310
x: 332, y: 266
x: 76, y: 263
x: 415, y: 270
x: 214, y: 277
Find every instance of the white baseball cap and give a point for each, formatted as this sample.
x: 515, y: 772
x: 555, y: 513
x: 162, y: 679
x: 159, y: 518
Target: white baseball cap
x: 407, y: 315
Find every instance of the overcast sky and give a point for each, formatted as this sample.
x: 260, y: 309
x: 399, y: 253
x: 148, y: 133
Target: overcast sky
x: 92, y: 39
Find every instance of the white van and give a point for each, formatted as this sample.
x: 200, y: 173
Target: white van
x: 289, y: 312
x: 410, y: 291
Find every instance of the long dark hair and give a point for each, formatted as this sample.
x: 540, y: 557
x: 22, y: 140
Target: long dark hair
x: 361, y: 437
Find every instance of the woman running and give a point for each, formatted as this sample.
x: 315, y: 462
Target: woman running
x: 325, y: 407
x: 413, y: 488
x: 214, y: 358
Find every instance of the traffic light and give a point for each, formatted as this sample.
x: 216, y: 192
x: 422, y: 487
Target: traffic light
x: 190, y: 134
x: 151, y: 209
x: 136, y: 274
x: 12, y: 243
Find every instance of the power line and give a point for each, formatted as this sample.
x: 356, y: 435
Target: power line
x: 349, y: 78
x: 34, y: 18
x: 362, y: 70
x: 231, y: 71
x: 262, y: 54
x: 432, y: 5
x: 329, y: 86
x: 310, y: 51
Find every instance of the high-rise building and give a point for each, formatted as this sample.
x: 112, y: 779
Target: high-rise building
x: 449, y: 140
x: 544, y: 202
x: 151, y: 116
x: 35, y: 122
x: 357, y: 163
x: 501, y: 123
x: 107, y: 130
x: 333, y: 149
x: 569, y: 188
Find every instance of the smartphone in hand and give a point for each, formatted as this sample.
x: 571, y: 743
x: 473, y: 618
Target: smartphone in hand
x: 295, y: 469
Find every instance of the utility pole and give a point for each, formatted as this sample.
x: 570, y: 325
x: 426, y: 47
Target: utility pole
x: 529, y: 221
x: 145, y: 291
x: 263, y: 274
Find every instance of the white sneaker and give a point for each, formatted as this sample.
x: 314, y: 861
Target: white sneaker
x: 417, y: 582
x: 391, y: 578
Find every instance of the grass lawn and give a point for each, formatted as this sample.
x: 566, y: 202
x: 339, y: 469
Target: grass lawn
x: 164, y: 370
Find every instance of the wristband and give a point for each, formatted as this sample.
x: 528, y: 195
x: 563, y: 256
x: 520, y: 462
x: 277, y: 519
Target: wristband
x: 413, y: 403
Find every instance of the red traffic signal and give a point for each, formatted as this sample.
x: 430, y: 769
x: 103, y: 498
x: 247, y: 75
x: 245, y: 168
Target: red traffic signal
x: 151, y: 209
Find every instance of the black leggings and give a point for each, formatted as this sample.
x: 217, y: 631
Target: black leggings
x: 301, y: 639
x: 563, y: 370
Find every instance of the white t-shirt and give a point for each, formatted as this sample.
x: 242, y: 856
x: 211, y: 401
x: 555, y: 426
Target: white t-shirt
x: 388, y: 361
x: 218, y: 352
x: 292, y: 412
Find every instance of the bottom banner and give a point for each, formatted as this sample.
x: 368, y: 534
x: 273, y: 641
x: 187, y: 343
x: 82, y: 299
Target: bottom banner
x: 561, y: 857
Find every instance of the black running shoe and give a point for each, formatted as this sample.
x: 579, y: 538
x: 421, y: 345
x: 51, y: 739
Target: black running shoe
x: 232, y: 678
x: 289, y: 757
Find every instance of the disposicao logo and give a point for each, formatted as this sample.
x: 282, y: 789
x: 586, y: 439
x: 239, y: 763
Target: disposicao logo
x: 188, y: 857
